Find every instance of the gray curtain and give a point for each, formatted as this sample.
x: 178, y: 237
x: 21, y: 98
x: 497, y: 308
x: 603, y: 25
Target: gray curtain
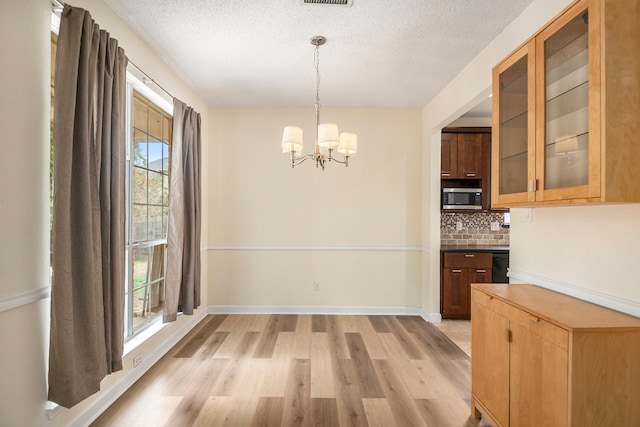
x: 87, y: 295
x: 183, y: 235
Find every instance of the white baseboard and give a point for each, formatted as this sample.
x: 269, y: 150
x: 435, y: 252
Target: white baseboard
x: 609, y: 301
x: 110, y: 394
x: 353, y: 248
x: 307, y: 309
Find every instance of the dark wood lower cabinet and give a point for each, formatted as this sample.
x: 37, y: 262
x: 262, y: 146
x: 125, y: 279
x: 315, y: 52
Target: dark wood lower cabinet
x: 459, y: 270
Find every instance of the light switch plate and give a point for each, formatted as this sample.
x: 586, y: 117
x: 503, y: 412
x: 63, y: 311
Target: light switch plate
x: 495, y: 226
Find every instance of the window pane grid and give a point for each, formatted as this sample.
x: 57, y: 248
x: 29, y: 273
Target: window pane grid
x: 149, y: 207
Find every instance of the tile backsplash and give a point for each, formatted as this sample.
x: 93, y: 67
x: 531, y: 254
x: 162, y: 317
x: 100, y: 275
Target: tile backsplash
x: 476, y: 229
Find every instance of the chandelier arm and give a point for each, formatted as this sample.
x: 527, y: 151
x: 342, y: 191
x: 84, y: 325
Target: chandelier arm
x: 344, y: 162
x: 295, y: 161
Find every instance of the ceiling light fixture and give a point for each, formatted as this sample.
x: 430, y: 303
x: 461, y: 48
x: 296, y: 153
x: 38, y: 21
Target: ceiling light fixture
x: 327, y: 135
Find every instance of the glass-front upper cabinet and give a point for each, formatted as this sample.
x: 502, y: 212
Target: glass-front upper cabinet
x: 514, y: 127
x: 566, y: 110
x: 563, y: 123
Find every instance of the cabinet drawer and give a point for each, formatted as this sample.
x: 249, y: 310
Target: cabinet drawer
x: 532, y: 323
x: 541, y: 328
x: 491, y: 303
x: 468, y: 260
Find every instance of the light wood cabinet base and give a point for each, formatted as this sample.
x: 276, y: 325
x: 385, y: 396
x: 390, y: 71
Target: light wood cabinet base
x: 544, y: 358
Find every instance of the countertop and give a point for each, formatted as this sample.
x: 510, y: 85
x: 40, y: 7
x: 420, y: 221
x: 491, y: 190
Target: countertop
x: 474, y: 248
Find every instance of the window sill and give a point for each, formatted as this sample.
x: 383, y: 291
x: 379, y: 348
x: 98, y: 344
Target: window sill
x: 132, y: 343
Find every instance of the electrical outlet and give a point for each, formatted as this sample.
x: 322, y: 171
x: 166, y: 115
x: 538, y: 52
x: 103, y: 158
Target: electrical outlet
x: 137, y: 359
x: 495, y: 226
x: 316, y: 286
x: 459, y: 226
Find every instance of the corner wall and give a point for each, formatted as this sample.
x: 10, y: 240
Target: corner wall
x: 465, y: 91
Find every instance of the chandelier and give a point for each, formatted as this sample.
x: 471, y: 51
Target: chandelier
x: 327, y: 136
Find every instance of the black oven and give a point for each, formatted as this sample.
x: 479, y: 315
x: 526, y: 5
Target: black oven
x: 462, y: 198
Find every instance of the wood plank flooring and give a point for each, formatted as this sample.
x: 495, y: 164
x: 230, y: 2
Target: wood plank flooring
x: 303, y: 370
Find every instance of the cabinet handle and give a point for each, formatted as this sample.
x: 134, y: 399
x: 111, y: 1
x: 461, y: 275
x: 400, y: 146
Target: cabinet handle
x: 469, y: 255
x: 533, y: 185
x: 509, y: 336
x: 445, y: 174
x: 534, y: 319
x: 481, y: 271
x: 456, y: 271
x: 470, y: 174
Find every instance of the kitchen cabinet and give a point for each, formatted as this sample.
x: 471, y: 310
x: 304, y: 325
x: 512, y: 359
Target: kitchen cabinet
x: 464, y: 152
x: 544, y: 358
x: 566, y: 108
x: 465, y: 160
x: 462, y: 156
x: 459, y: 270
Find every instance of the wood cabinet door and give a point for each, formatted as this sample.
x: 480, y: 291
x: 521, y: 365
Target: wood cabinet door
x: 470, y: 155
x: 538, y: 380
x: 568, y: 106
x: 449, y: 155
x: 513, y: 139
x: 479, y: 275
x: 455, y: 293
x: 490, y: 362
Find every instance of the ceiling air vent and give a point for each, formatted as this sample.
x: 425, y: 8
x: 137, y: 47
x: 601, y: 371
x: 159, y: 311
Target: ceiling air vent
x: 328, y: 2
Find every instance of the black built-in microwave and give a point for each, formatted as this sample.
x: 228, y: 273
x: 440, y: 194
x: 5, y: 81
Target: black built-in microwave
x: 461, y: 198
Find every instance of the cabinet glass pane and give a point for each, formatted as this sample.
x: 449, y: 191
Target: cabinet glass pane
x: 513, y: 116
x: 567, y: 105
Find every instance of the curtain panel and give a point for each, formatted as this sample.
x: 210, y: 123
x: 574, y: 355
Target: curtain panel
x: 87, y: 295
x: 182, y: 284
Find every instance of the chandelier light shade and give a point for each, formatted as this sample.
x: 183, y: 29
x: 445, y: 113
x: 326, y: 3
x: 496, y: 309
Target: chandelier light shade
x: 327, y: 136
x: 292, y: 140
x: 348, y: 143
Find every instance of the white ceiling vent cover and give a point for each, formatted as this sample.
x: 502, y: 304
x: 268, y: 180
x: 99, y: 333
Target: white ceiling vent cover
x: 328, y: 2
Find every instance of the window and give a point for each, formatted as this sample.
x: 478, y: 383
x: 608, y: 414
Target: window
x: 148, y: 212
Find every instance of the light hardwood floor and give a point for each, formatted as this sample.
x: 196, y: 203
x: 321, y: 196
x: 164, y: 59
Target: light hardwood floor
x: 307, y: 370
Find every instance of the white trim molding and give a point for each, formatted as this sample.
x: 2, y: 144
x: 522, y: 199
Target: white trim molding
x: 307, y: 309
x: 25, y: 298
x: 609, y: 301
x: 360, y: 248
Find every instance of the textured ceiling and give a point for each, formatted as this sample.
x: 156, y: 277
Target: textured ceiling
x: 379, y: 53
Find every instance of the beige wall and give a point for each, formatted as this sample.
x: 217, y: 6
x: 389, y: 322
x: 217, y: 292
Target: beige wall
x: 596, y: 248
x: 274, y: 230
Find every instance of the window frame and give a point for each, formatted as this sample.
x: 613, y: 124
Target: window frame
x: 136, y: 81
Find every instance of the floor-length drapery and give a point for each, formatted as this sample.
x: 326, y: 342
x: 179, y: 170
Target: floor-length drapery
x: 183, y: 236
x: 87, y: 297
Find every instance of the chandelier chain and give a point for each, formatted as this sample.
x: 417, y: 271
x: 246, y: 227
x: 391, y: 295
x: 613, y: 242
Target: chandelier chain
x: 316, y: 62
